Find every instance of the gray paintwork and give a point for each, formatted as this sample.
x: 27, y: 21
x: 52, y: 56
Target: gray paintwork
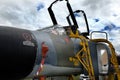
x: 49, y: 70
x: 58, y: 54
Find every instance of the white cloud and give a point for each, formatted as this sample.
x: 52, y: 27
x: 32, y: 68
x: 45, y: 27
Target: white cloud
x: 18, y: 13
x: 24, y: 14
x: 113, y: 32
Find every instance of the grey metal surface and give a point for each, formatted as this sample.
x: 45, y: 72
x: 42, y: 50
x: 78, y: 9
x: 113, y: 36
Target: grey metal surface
x: 64, y: 49
x: 94, y: 58
x: 49, y: 70
x: 61, y: 47
x: 43, y: 37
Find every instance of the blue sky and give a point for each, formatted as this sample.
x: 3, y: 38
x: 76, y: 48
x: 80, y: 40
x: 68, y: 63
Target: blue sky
x: 103, y: 15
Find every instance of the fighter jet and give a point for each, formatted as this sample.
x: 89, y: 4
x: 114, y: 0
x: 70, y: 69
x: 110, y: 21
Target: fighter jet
x: 56, y: 52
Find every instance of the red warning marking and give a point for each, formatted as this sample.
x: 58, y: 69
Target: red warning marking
x: 44, y: 50
x: 27, y: 36
x: 44, y: 53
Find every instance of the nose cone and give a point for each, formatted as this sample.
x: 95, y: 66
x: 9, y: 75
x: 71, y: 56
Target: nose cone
x: 17, y: 53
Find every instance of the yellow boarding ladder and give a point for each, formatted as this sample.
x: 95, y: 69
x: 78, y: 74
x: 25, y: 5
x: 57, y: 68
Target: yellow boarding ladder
x: 83, y: 56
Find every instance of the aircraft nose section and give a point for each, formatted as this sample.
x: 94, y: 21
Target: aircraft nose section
x: 17, y: 52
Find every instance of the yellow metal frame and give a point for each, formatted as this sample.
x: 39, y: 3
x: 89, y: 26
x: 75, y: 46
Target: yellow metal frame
x: 83, y: 56
x: 113, y: 59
